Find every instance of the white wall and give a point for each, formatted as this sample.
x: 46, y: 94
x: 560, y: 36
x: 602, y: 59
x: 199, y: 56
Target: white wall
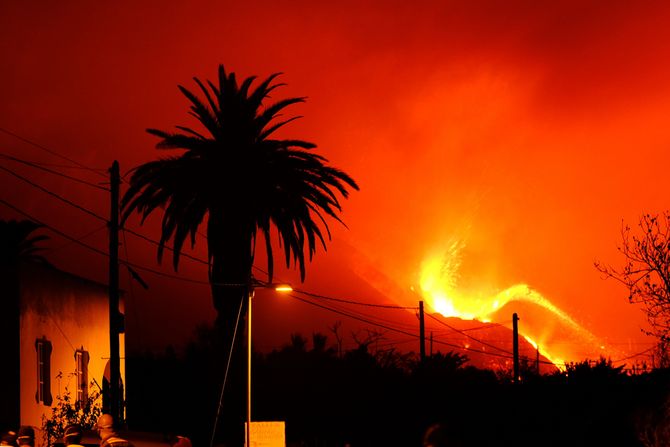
x: 72, y: 313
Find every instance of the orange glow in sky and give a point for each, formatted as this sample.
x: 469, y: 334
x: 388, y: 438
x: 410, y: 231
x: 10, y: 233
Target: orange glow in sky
x: 498, y: 145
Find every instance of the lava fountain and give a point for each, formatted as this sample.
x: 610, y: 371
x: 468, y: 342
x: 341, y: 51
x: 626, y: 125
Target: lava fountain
x: 547, y: 327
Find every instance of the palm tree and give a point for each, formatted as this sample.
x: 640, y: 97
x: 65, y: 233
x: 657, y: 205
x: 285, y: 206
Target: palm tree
x: 240, y: 180
x: 17, y: 245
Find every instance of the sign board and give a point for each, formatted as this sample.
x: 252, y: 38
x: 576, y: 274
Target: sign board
x: 267, y: 434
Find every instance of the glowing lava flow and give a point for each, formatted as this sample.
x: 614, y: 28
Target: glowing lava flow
x: 438, y: 282
x: 560, y: 364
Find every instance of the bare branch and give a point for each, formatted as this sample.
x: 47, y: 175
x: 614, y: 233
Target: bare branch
x: 646, y: 272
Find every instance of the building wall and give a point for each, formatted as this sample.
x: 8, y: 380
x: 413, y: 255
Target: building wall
x: 71, y: 313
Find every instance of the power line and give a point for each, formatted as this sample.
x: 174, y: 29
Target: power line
x: 415, y: 336
x: 507, y: 355
x: 52, y: 152
x: 358, y: 303
x: 486, y: 326
x: 363, y: 315
x: 58, y: 232
x: 93, y: 214
x: 100, y: 252
x: 100, y: 171
x: 99, y: 217
x: 157, y: 272
x: 53, y: 320
x: 41, y: 166
x: 53, y: 194
x: 468, y: 335
x: 156, y: 243
x: 80, y: 238
x: 386, y: 343
x: 464, y: 348
x: 353, y: 316
x: 167, y: 275
x: 372, y: 318
x: 376, y: 317
x: 397, y: 330
x: 634, y: 355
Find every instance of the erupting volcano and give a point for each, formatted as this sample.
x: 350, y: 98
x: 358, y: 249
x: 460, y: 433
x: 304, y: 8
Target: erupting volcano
x: 549, y: 329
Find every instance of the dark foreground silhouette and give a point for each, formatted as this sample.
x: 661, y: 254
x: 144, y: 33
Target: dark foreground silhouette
x: 374, y: 398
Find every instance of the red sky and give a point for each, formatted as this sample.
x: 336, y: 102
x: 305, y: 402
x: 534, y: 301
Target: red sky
x: 525, y: 130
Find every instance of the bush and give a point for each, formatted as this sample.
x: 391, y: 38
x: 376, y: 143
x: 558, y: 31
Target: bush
x: 68, y: 411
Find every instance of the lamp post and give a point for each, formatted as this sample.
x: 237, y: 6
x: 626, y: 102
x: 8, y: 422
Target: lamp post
x: 284, y: 288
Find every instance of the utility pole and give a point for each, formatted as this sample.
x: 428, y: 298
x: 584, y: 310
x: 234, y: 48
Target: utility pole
x: 114, y: 314
x: 431, y: 343
x: 422, y: 333
x: 515, y: 345
x: 537, y: 359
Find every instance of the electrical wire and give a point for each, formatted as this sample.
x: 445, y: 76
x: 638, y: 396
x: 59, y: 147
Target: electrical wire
x: 94, y: 214
x: 41, y: 166
x: 395, y: 342
x: 364, y: 320
x: 67, y: 339
x: 225, y: 376
x: 52, y: 152
x: 486, y: 326
x: 99, y: 217
x: 374, y: 318
x: 634, y: 355
x: 468, y: 335
x: 506, y: 354
x: 415, y: 336
x: 80, y: 238
x: 53, y: 194
x: 100, y: 252
x: 464, y: 348
x: 358, y: 303
x: 166, y: 247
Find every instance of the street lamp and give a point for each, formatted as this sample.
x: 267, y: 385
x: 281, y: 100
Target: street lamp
x: 255, y: 284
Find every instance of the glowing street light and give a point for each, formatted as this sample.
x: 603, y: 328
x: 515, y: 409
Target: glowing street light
x: 255, y: 284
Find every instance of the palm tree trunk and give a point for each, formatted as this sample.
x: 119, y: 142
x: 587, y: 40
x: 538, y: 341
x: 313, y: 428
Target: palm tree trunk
x: 230, y: 278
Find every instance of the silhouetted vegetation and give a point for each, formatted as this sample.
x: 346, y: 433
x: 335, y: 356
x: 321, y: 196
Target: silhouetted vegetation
x: 646, y: 274
x: 18, y: 244
x: 369, y: 397
x: 238, y: 178
x: 242, y: 181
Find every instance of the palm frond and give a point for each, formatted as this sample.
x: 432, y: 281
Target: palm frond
x: 261, y: 91
x: 251, y: 183
x: 244, y: 88
x: 202, y: 112
x: 265, y: 228
x: 271, y: 111
x: 267, y: 132
x: 191, y: 131
x: 212, y: 104
x: 17, y: 242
